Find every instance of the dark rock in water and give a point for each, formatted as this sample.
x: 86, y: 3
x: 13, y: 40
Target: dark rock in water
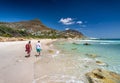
x: 86, y: 66
x: 101, y: 63
x: 75, y: 43
x: 86, y: 44
x: 103, y: 76
x: 74, y: 48
x: 91, y: 55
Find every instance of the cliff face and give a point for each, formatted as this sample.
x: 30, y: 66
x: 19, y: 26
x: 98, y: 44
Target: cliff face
x: 35, y: 28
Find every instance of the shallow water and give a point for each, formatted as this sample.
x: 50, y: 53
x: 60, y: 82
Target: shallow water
x: 106, y: 51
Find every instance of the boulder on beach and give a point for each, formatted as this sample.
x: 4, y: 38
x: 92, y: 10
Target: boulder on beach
x: 103, y: 76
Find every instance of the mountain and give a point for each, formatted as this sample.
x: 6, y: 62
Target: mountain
x: 30, y: 26
x: 35, y: 28
x: 74, y: 33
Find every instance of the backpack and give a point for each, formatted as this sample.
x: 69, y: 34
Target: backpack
x: 27, y: 46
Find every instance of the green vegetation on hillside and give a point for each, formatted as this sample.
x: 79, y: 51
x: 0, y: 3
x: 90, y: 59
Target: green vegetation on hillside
x: 10, y: 32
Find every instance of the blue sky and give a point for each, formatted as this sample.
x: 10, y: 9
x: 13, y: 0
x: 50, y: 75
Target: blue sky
x: 94, y: 18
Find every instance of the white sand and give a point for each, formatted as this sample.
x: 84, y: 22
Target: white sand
x: 14, y: 67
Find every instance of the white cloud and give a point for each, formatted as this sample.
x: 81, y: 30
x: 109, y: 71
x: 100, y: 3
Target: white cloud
x: 71, y: 21
x: 79, y: 22
x: 67, y: 21
x: 67, y: 28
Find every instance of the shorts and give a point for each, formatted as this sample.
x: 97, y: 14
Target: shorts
x: 38, y: 50
x: 28, y: 51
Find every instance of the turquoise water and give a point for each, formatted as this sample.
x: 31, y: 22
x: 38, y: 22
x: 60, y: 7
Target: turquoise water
x: 105, y: 50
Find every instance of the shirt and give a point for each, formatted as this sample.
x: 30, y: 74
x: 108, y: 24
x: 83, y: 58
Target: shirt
x: 38, y: 45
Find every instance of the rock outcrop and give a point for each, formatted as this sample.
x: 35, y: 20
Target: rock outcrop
x: 102, y: 76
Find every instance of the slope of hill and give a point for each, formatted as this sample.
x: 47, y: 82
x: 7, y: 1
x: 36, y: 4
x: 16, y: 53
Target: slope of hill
x: 10, y: 32
x: 35, y: 28
x: 29, y: 26
x: 73, y: 33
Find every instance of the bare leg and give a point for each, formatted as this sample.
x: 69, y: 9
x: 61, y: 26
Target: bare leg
x: 39, y: 53
x: 28, y: 54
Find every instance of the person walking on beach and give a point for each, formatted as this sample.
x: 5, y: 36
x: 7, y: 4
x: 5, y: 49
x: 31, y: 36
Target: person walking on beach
x: 38, y: 48
x: 28, y: 47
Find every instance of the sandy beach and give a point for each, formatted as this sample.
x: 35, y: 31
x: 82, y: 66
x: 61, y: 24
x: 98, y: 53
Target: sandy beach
x: 53, y: 66
x: 15, y: 68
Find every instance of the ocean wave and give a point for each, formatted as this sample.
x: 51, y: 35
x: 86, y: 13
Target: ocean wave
x: 97, y: 41
x: 104, y: 43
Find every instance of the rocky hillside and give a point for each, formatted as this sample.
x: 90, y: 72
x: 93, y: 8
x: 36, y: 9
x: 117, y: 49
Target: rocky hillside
x: 73, y: 33
x: 10, y: 32
x: 30, y: 26
x: 35, y: 28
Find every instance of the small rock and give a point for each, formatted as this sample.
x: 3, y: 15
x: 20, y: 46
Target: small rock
x: 74, y: 48
x: 20, y: 39
x: 92, y: 55
x: 86, y: 44
x: 50, y: 51
x: 101, y: 63
x: 75, y: 43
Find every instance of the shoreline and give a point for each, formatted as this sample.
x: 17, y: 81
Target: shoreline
x: 53, y: 66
